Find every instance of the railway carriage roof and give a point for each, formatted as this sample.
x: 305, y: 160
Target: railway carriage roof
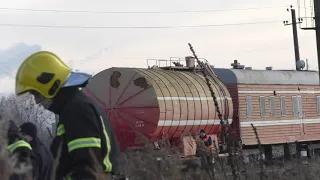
x: 244, y: 76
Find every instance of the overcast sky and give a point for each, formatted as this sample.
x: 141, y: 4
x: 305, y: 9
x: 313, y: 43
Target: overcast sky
x: 256, y: 45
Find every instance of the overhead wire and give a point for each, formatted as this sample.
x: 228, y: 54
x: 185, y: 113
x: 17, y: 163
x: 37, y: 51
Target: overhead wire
x: 2, y: 69
x: 6, y: 70
x: 5, y: 73
x: 137, y: 12
x: 252, y: 51
x: 81, y: 62
x: 135, y: 27
x: 132, y: 12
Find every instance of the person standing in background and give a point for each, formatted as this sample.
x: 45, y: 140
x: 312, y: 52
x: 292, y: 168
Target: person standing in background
x: 206, y: 139
x: 20, y: 149
x: 44, y: 158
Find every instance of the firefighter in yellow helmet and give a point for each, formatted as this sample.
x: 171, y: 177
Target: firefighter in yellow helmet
x: 88, y: 144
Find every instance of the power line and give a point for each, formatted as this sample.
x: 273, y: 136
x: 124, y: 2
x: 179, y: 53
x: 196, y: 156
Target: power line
x: 205, y: 54
x: 136, y: 27
x: 251, y: 51
x: 5, y: 69
x: 137, y: 12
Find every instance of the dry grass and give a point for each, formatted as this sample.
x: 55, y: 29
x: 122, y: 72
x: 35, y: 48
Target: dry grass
x: 166, y: 163
x: 144, y: 164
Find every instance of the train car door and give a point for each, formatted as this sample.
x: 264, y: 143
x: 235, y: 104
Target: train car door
x: 297, y: 112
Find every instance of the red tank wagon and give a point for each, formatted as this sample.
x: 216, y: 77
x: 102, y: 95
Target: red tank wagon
x: 158, y: 102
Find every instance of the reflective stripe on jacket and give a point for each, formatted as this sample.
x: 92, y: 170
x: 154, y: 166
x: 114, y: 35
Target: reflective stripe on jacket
x: 21, y: 143
x: 23, y: 151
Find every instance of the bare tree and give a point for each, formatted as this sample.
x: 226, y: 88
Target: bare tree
x: 28, y: 111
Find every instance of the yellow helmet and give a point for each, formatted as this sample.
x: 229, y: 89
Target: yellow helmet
x: 45, y: 73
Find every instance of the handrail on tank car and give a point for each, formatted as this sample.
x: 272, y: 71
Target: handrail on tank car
x: 169, y: 62
x: 207, y: 62
x: 172, y: 59
x: 157, y: 62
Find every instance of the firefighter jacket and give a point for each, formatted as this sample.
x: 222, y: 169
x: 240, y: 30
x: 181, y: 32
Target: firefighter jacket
x: 22, y: 150
x: 84, y: 145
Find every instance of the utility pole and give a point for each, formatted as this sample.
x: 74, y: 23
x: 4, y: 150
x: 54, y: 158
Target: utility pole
x: 295, y: 34
x: 316, y: 26
x: 316, y: 4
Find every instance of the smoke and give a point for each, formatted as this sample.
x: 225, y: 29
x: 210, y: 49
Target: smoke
x: 10, y: 59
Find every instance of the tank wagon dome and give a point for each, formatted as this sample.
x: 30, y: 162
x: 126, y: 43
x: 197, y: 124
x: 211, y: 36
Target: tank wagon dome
x: 158, y: 103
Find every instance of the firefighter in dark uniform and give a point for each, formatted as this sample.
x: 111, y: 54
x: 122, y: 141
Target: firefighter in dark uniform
x: 20, y: 149
x: 85, y: 146
x: 43, y: 155
x: 209, y: 144
x: 206, y: 139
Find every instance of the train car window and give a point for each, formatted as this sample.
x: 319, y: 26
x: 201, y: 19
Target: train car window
x: 295, y: 107
x: 318, y: 105
x: 283, y: 105
x: 300, y: 109
x: 249, y: 106
x: 262, y: 106
x: 272, y: 107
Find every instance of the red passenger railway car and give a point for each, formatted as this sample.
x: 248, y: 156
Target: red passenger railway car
x: 172, y: 101
x: 284, y: 106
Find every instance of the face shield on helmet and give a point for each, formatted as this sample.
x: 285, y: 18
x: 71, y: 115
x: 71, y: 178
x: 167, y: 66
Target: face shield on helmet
x: 77, y: 78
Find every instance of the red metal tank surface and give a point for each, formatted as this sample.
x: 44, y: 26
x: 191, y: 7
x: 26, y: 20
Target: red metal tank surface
x: 158, y: 103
